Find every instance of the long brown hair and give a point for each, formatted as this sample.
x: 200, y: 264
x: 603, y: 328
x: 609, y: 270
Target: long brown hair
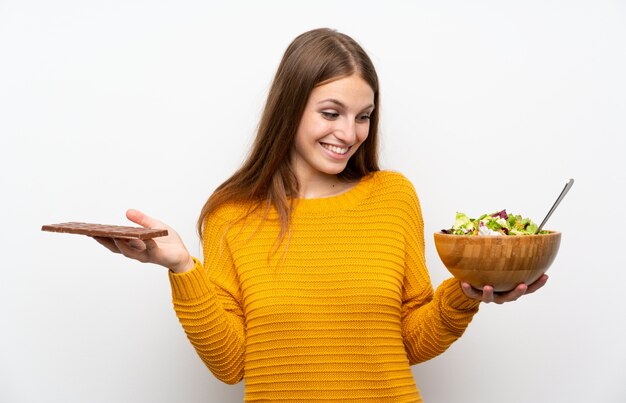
x: 266, y: 178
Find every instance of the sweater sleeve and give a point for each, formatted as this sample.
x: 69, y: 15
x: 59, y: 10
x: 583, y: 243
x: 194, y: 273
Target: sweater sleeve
x: 431, y: 321
x: 207, y: 301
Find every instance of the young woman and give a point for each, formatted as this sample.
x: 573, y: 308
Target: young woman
x: 313, y: 285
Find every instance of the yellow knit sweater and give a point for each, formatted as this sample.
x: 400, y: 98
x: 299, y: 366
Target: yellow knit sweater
x: 337, y: 314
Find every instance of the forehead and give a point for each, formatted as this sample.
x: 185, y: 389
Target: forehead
x: 351, y: 91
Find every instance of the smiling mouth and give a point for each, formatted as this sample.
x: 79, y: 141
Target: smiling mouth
x: 336, y: 149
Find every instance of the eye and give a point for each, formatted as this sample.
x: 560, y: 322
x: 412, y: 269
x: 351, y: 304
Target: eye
x: 363, y: 118
x: 330, y: 115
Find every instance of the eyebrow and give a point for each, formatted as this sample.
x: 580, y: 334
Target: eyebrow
x: 341, y: 104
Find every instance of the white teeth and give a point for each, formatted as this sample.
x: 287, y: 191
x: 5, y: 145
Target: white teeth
x: 335, y: 149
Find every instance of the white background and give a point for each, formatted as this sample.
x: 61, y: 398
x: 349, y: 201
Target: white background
x: 151, y: 104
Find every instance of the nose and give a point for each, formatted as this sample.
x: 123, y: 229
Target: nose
x: 347, y: 132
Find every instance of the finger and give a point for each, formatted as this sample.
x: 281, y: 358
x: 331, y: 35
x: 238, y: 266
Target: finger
x: 537, y: 284
x: 488, y: 295
x: 136, y: 244
x: 511, y: 295
x: 107, y: 243
x: 470, y: 291
x: 142, y: 219
x: 129, y: 251
x: 150, y: 245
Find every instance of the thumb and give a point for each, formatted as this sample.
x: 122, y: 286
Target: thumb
x: 142, y: 219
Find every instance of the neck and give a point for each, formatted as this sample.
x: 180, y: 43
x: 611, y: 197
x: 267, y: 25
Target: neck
x: 321, y: 187
x: 314, y: 184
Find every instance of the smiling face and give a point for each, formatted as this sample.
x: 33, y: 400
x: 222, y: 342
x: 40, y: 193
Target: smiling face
x: 334, y: 124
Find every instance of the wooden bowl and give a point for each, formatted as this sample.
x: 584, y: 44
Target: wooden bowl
x: 500, y: 261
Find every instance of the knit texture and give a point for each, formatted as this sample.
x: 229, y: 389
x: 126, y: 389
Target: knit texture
x: 338, y: 313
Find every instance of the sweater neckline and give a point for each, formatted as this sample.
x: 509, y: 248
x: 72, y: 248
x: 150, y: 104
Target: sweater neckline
x: 342, y: 201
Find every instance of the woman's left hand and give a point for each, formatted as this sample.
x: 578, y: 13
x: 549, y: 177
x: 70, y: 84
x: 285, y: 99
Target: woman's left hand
x: 487, y: 294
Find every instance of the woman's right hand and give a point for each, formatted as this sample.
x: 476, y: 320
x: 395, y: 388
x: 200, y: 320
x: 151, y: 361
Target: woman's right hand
x: 167, y: 251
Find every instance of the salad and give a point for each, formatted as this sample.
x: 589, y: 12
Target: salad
x: 499, y: 223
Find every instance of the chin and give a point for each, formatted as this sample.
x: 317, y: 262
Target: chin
x: 333, y: 170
